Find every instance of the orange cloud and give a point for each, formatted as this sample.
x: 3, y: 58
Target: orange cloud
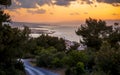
x: 57, y: 13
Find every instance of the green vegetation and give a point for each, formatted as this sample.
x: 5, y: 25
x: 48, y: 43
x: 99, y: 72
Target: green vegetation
x: 94, y: 32
x: 35, y: 45
x: 49, y: 58
x: 103, y: 44
x: 12, y: 42
x: 12, y: 45
x: 101, y: 57
x: 107, y: 59
x: 48, y: 41
x: 47, y: 50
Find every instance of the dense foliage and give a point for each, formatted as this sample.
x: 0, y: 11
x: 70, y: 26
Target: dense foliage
x: 5, y: 2
x: 12, y: 47
x: 101, y: 56
x: 93, y: 32
x: 103, y: 47
x: 47, y: 41
x: 107, y: 59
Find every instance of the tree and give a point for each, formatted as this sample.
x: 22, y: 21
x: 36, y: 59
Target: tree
x: 48, y: 41
x: 45, y: 56
x: 11, y: 45
x: 93, y: 33
x: 80, y: 68
x: 4, y: 17
x: 108, y: 59
x: 75, y: 61
x: 5, y: 2
x: 114, y: 37
x: 30, y: 48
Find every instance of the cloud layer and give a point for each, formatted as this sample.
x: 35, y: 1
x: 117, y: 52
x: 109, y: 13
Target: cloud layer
x: 34, y: 3
x: 39, y: 11
x: 109, y: 1
x: 113, y: 2
x: 63, y: 2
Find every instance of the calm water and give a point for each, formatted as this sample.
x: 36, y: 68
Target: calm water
x: 66, y: 32
x: 62, y: 30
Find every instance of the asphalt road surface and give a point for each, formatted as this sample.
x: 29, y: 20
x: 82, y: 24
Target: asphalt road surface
x: 33, y: 70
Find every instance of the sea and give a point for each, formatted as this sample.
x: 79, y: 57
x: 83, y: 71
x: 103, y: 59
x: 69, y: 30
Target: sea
x: 61, y: 30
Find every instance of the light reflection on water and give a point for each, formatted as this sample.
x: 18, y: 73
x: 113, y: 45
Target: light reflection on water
x: 61, y: 30
x: 66, y: 32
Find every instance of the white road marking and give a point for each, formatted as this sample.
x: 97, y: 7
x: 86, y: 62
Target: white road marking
x: 33, y: 70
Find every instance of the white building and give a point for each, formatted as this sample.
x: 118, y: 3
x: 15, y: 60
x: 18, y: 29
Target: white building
x: 68, y: 44
x: 82, y: 47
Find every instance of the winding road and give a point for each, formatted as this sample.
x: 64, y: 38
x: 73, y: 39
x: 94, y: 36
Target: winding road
x: 33, y: 70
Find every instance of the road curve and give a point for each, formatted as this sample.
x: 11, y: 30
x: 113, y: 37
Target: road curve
x: 33, y: 70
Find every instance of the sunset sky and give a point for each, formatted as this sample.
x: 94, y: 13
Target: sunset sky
x: 63, y: 10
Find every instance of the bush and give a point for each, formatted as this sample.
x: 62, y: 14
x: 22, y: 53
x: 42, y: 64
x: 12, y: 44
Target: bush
x: 77, y: 56
x: 79, y: 68
x: 44, y: 60
x: 108, y: 60
x: 56, y: 63
x: 98, y: 72
x: 2, y: 72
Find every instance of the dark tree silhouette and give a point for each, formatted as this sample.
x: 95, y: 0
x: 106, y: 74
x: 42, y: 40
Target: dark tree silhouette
x: 94, y: 32
x: 12, y: 41
x: 5, y: 2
